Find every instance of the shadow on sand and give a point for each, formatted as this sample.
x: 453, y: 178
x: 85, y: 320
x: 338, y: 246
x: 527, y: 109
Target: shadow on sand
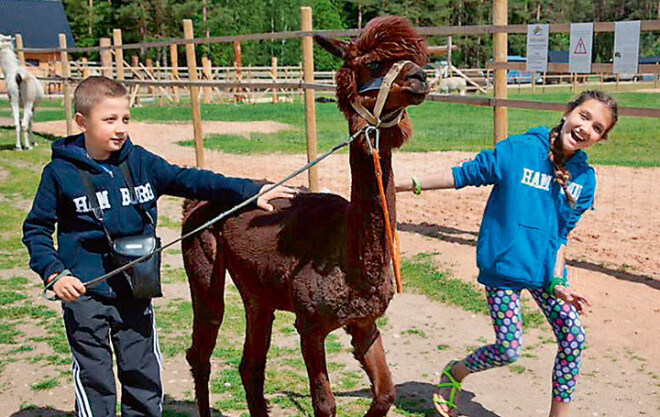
x: 412, y: 397
x: 171, y: 408
x: 453, y: 235
x: 415, y: 398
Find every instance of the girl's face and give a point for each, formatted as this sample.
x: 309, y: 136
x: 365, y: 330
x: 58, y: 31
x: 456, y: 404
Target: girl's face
x: 585, y: 125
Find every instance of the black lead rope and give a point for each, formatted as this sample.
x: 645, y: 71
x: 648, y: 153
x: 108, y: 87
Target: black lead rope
x: 98, y: 280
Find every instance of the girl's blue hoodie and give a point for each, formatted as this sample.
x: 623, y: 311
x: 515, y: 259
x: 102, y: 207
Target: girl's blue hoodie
x: 528, y: 216
x: 81, y: 244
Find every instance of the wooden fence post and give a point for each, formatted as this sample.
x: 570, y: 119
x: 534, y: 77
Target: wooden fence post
x: 310, y: 105
x: 19, y: 48
x: 174, y: 57
x: 500, y: 51
x: 85, y: 68
x: 135, y: 89
x: 574, y: 83
x: 273, y: 75
x: 238, y: 63
x: 159, y: 91
x: 449, y: 44
x: 206, y: 71
x: 150, y: 70
x: 106, y: 57
x: 119, y: 54
x: 194, y: 92
x: 68, y: 96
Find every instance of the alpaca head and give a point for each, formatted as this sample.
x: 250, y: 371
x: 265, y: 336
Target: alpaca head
x: 383, y: 42
x: 6, y: 42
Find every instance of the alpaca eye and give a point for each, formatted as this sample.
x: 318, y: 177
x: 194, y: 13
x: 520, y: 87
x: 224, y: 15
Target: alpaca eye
x: 375, y: 67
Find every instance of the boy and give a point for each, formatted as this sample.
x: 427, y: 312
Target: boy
x: 108, y: 313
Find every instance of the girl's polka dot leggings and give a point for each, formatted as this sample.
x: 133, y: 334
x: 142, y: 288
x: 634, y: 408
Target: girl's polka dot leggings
x: 565, y: 321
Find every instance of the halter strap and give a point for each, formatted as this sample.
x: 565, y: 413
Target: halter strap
x: 375, y: 119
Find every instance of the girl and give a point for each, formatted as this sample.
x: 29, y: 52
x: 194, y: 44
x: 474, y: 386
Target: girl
x: 543, y: 184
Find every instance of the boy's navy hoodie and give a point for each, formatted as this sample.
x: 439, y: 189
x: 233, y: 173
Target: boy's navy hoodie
x: 527, y: 217
x: 81, y: 243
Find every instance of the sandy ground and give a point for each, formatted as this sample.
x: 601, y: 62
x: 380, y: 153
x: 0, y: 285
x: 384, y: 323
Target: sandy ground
x: 613, y: 256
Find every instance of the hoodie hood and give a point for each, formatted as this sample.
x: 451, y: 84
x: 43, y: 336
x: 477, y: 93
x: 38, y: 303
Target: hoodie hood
x: 72, y: 149
x: 543, y: 133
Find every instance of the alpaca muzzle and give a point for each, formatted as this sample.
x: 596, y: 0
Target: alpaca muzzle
x: 383, y: 85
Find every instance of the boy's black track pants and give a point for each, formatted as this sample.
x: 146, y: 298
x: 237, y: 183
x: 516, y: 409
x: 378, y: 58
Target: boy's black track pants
x: 128, y: 325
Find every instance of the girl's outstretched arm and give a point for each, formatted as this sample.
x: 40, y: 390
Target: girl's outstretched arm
x: 438, y: 180
x: 566, y: 293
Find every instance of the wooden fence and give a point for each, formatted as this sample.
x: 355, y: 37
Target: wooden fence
x: 253, y: 83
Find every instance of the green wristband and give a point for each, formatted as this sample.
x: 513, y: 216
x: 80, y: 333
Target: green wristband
x: 417, y: 188
x: 556, y: 281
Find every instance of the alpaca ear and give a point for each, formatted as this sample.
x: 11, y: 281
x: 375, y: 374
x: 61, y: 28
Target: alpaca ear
x: 336, y: 47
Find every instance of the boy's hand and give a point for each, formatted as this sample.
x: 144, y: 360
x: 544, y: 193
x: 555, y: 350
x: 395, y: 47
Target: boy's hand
x: 277, y: 192
x: 69, y: 288
x: 572, y: 297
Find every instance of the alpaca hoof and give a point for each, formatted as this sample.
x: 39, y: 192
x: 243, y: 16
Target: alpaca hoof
x: 34, y: 144
x: 18, y: 148
x: 27, y: 148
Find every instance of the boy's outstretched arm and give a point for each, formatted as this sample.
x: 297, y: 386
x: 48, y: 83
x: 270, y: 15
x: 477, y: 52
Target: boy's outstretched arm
x: 436, y: 181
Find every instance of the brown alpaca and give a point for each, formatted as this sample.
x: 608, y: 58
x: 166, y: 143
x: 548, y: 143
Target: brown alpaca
x: 318, y: 255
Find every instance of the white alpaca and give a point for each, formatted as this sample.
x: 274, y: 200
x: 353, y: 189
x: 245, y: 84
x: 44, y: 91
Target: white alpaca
x: 446, y: 84
x: 23, y: 89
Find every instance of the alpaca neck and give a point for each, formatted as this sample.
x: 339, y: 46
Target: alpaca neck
x: 8, y: 61
x: 368, y: 250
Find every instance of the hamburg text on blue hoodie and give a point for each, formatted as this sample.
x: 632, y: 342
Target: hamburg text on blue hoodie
x: 81, y: 244
x: 527, y: 217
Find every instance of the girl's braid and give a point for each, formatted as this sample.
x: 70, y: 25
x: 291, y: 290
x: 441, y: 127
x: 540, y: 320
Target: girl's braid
x: 562, y: 176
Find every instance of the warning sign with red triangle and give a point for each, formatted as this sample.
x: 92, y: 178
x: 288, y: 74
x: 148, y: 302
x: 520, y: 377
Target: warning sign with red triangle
x: 580, y: 48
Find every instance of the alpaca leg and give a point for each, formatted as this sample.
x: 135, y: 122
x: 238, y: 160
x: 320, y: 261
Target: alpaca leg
x: 25, y: 125
x: 313, y: 351
x: 368, y: 350
x: 253, y: 363
x: 208, y: 308
x: 15, y: 111
x: 32, y: 141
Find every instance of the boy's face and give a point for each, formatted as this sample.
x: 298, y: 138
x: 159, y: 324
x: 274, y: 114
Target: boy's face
x: 105, y: 127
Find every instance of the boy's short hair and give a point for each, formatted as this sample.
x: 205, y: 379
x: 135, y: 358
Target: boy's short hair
x: 92, y: 90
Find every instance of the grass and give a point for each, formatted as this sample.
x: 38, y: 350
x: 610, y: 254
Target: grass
x: 286, y: 382
x: 438, y: 127
x: 46, y: 384
x: 286, y: 375
x: 415, y: 332
x: 423, y: 277
x: 171, y: 275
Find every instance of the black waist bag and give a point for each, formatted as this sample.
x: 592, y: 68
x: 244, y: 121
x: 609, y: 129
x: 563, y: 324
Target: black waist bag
x: 144, y: 276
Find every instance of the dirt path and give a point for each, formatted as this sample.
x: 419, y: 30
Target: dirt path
x: 614, y: 258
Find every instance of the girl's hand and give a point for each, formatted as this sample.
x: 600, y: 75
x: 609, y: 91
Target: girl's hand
x: 69, y: 288
x: 571, y: 296
x: 277, y: 192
